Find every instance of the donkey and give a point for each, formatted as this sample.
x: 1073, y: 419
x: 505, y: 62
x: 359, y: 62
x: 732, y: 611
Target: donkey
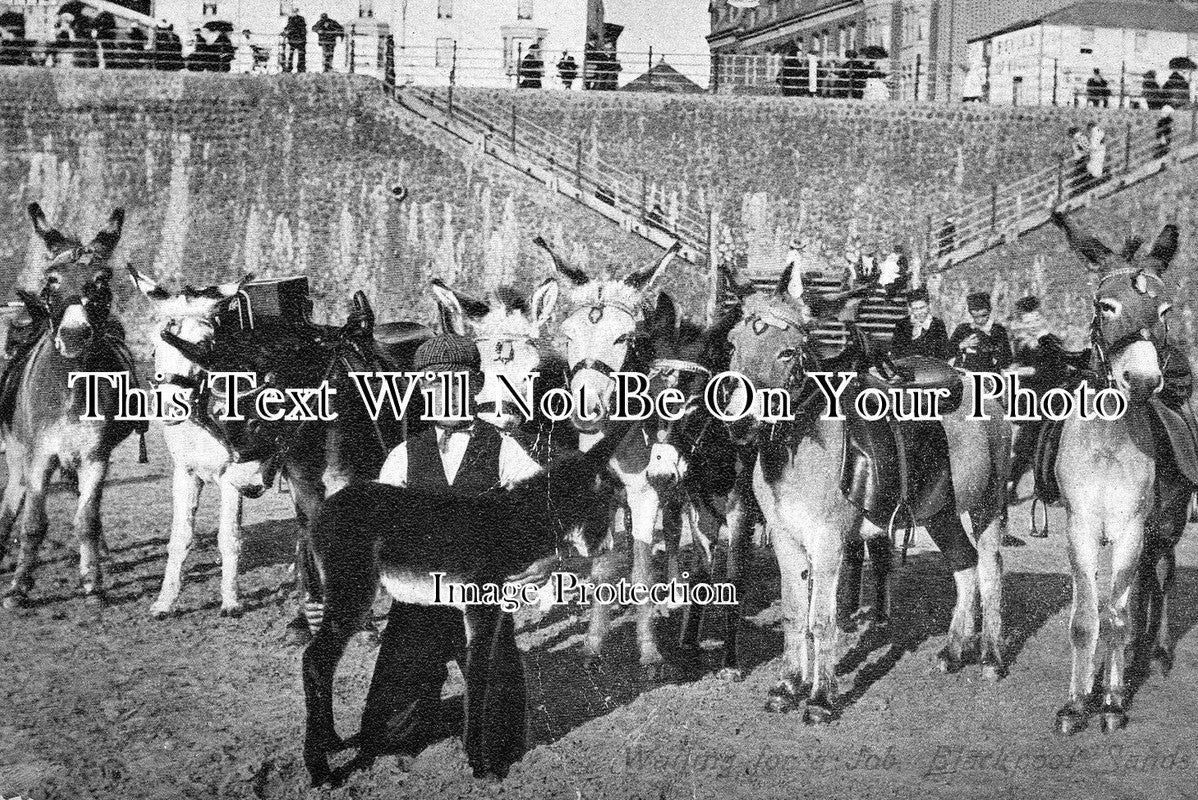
x: 41, y: 423
x: 607, y: 331
x: 797, y: 483
x: 374, y: 532
x: 317, y: 457
x: 1120, y: 481
x: 199, y: 448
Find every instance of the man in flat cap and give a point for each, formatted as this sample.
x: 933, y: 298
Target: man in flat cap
x: 981, y: 345
x: 920, y: 334
x: 455, y: 457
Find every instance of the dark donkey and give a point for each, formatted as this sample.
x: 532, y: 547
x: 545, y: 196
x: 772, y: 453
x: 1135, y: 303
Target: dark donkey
x: 375, y: 532
x: 317, y: 456
x: 41, y: 409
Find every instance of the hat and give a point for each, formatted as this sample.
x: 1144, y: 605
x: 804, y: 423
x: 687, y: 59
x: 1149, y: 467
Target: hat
x: 978, y: 301
x: 446, y: 353
x: 1027, y: 305
x: 919, y: 295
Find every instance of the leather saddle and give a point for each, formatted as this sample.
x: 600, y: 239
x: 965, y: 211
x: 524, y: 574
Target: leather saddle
x: 1174, y: 428
x: 889, y: 464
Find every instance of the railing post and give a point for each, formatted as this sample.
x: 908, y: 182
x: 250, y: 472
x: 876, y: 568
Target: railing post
x: 1127, y: 151
x: 1122, y: 79
x: 993, y: 207
x: 644, y: 198
x: 578, y: 166
x: 649, y: 74
x: 513, y: 128
x: 1056, y: 68
x: 453, y: 74
x: 918, y: 64
x: 353, y: 41
x: 1060, y: 178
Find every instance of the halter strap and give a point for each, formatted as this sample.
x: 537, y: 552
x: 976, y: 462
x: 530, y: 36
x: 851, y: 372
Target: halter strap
x: 678, y: 365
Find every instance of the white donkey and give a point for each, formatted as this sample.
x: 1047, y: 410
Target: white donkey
x: 199, y: 453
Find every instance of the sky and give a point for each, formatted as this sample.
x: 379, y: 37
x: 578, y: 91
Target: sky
x: 670, y: 26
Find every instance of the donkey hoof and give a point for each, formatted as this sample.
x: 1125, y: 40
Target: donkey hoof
x: 992, y: 673
x: 1114, y: 719
x: 947, y: 664
x: 1071, y: 719
x: 232, y: 612
x: 818, y: 712
x: 731, y: 674
x: 93, y: 599
x: 15, y: 600
x: 1160, y: 663
x: 159, y: 616
x: 782, y: 698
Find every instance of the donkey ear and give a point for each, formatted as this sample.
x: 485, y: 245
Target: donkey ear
x: 106, y: 240
x: 453, y: 317
x: 576, y: 276
x: 1089, y: 247
x: 471, y: 306
x: 544, y: 298
x: 665, y: 316
x: 641, y: 279
x: 53, y: 239
x: 1165, y: 246
x: 146, y: 286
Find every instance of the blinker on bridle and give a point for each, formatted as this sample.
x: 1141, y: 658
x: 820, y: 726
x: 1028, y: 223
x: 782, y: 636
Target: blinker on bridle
x: 1104, y: 351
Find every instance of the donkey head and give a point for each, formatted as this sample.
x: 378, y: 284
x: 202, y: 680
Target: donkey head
x: 1131, y: 306
x: 189, y: 315
x: 770, y: 347
x: 602, y: 334
x: 507, y: 331
x: 75, y: 294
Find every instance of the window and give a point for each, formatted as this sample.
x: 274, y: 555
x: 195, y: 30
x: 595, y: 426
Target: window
x: 523, y: 9
x: 444, y: 52
x: 852, y: 34
x: 1192, y: 46
x: 840, y: 41
x: 1141, y: 41
x: 444, y: 9
x: 922, y: 33
x: 209, y: 9
x: 513, y: 52
x: 365, y: 9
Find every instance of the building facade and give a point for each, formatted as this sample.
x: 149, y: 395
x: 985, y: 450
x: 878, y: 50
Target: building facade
x: 1048, y: 61
x: 927, y: 39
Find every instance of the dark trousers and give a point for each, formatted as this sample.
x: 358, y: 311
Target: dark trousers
x: 328, y: 49
x: 403, y: 706
x: 295, y: 56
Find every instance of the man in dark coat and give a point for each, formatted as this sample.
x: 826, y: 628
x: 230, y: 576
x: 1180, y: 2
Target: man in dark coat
x: 328, y: 31
x: 920, y: 334
x: 1176, y: 91
x: 532, y: 68
x: 1151, y: 90
x: 981, y: 345
x: 295, y: 38
x: 403, y: 707
x: 567, y: 70
x: 1098, y: 92
x: 168, y: 48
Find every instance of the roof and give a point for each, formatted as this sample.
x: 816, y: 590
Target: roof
x: 663, y: 78
x: 1142, y: 15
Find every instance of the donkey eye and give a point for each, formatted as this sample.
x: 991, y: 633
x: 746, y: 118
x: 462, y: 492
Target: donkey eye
x: 624, y: 338
x: 1163, y: 310
x: 786, y: 355
x: 1110, y: 308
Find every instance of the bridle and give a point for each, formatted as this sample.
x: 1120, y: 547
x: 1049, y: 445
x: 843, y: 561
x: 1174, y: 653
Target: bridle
x: 671, y: 371
x: 635, y: 340
x: 1105, y: 352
